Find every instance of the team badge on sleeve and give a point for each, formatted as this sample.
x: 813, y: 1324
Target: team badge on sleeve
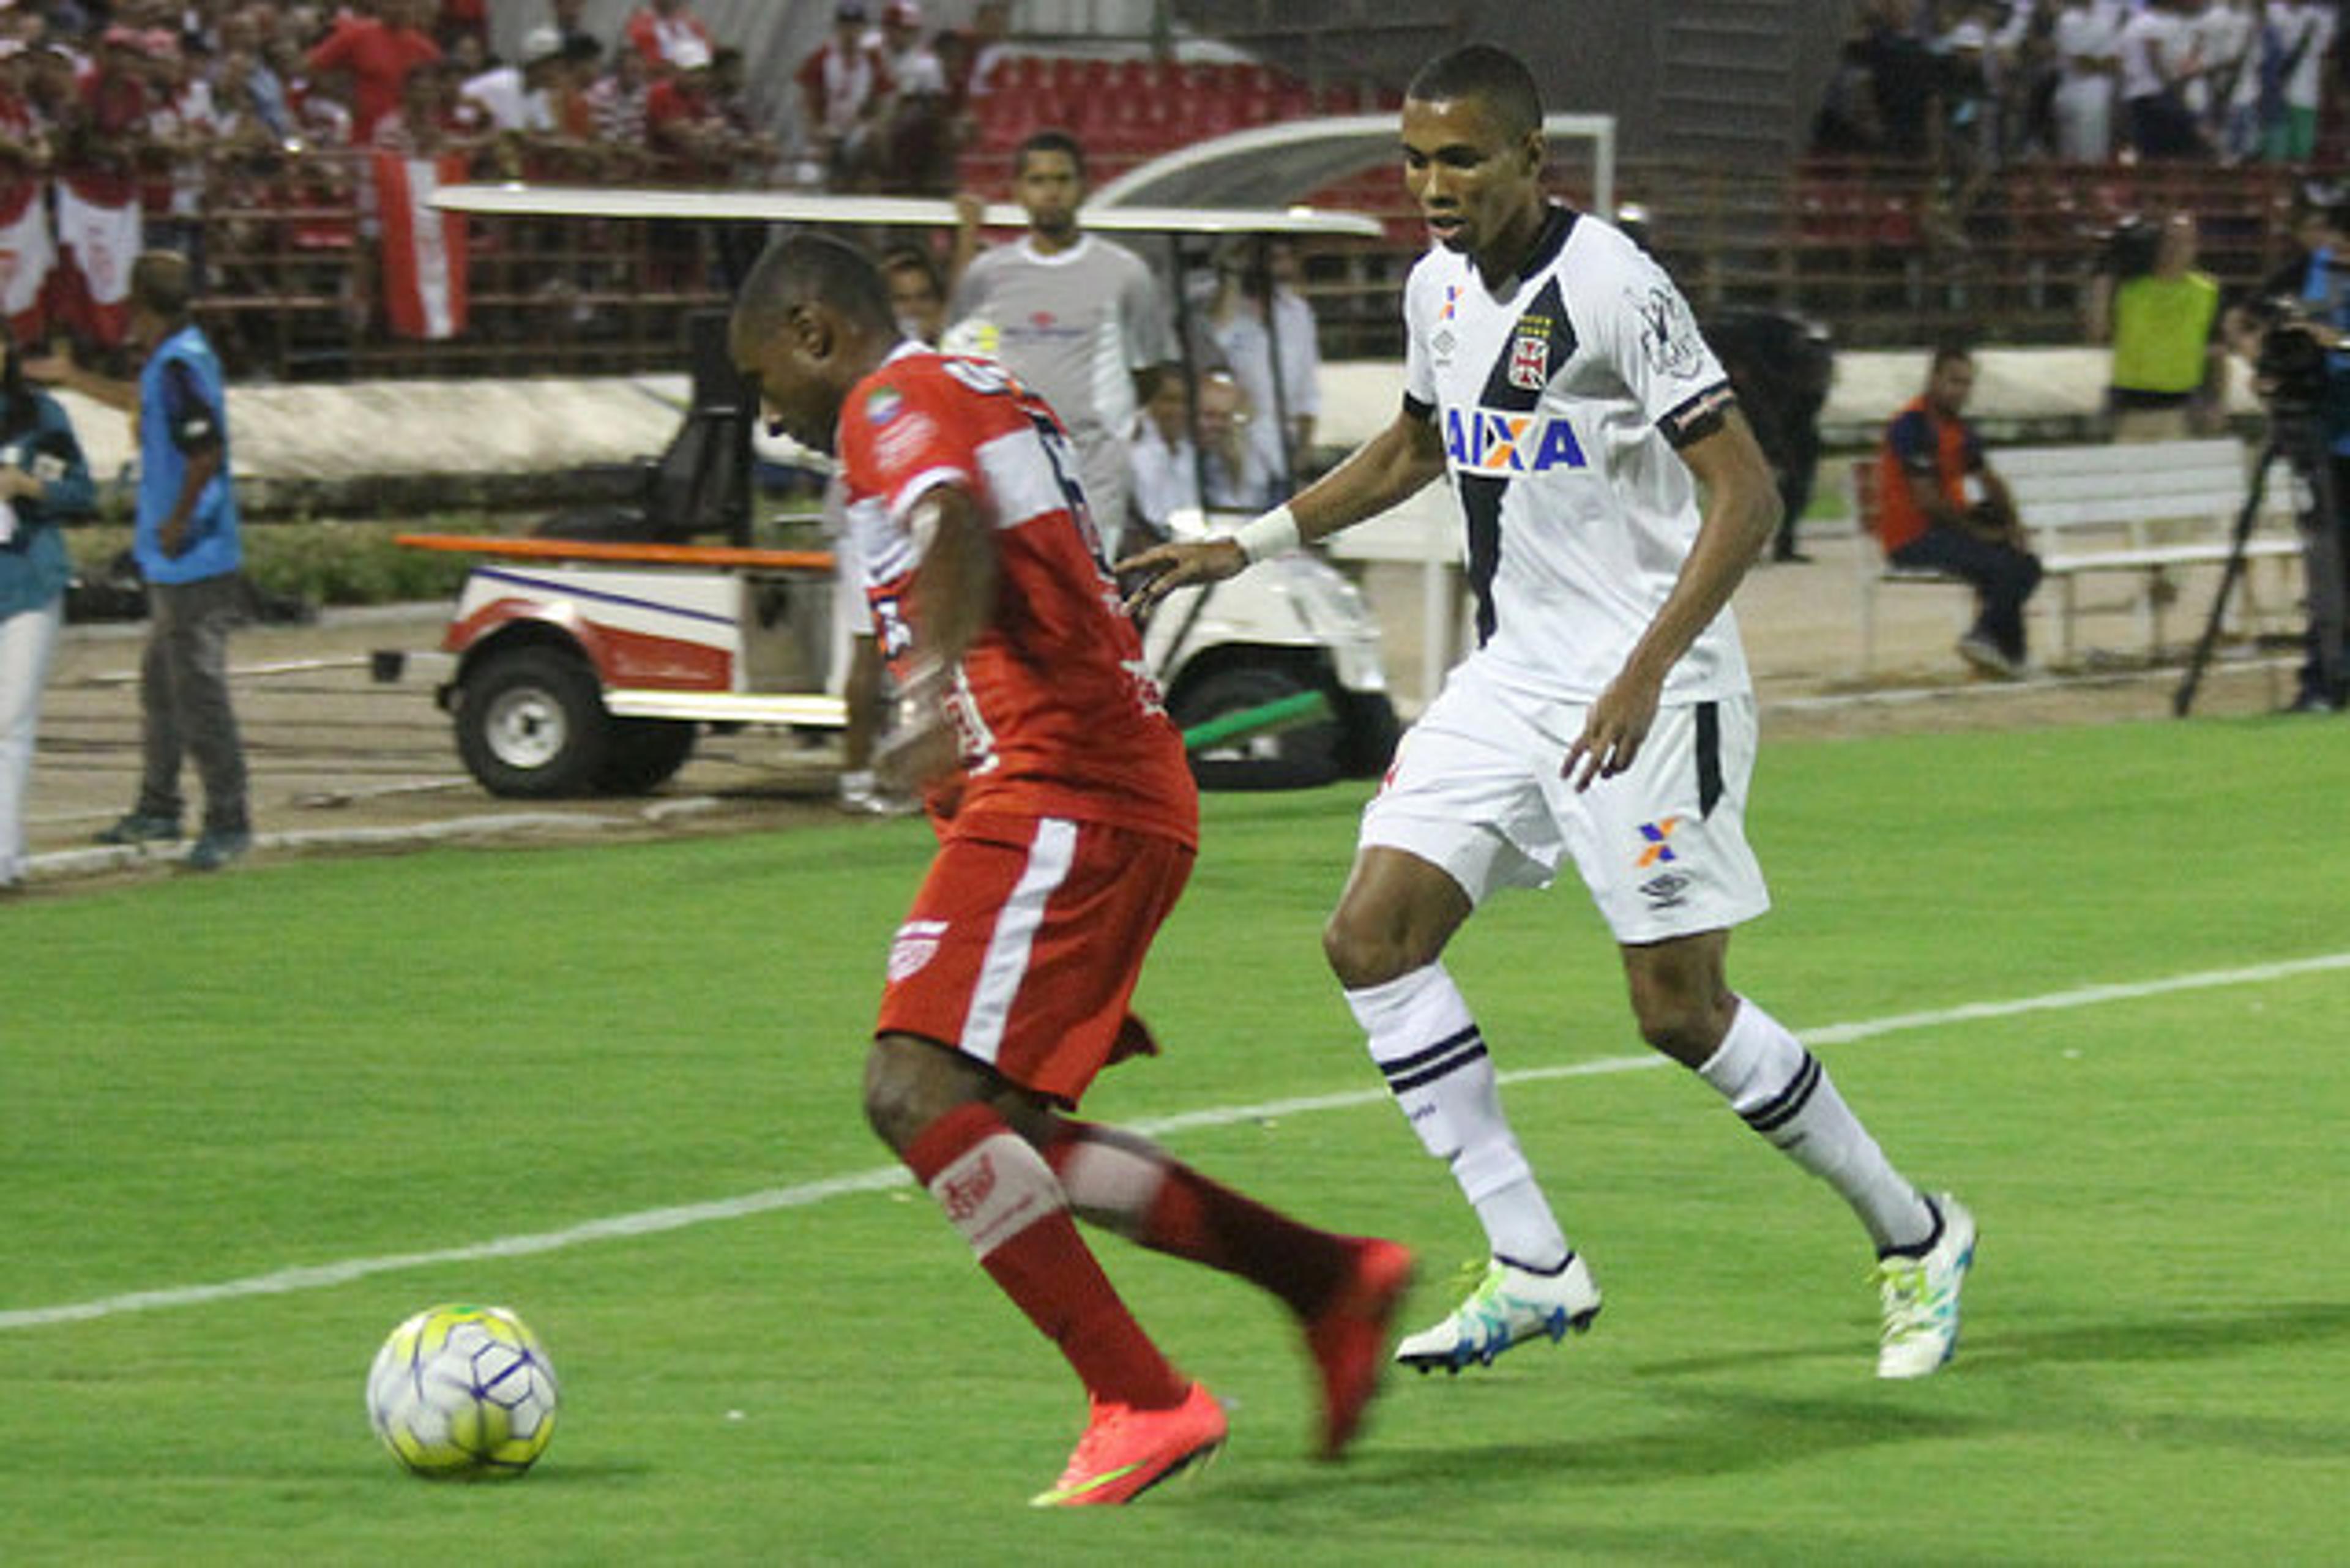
x: 1668, y: 335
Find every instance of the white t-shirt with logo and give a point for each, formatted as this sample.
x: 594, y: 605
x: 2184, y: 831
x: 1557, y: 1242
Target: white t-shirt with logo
x: 1559, y: 400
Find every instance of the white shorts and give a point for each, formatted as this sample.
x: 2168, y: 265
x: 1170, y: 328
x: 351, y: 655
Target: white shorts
x: 1475, y: 790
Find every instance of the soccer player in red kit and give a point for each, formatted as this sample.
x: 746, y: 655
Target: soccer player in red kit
x: 1067, y: 823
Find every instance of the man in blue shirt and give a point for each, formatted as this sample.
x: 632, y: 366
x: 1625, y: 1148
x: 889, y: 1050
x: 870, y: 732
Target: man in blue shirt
x: 185, y: 541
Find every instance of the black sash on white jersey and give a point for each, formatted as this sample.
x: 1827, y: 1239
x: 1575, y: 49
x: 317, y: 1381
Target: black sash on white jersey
x: 1482, y: 494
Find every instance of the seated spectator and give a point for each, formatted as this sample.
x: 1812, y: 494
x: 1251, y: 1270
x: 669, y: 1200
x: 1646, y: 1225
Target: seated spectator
x: 617, y: 101
x: 516, y: 98
x: 918, y: 293
x: 428, y: 120
x: 1255, y: 320
x: 1161, y: 458
x: 107, y: 135
x: 1168, y: 469
x: 1940, y: 507
x: 686, y: 131
x: 845, y: 93
x: 747, y: 154
x: 240, y: 71
x: 984, y: 47
x: 578, y: 41
x: 461, y: 23
x: 665, y: 31
x: 919, y: 159
x: 1238, y: 477
x: 183, y: 128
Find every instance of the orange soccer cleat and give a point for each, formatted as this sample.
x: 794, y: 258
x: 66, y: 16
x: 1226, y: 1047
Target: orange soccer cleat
x: 1348, y: 1338
x: 1125, y: 1451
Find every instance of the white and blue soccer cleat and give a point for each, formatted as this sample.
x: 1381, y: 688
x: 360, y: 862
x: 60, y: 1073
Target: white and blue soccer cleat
x: 1922, y: 1297
x: 1509, y: 1306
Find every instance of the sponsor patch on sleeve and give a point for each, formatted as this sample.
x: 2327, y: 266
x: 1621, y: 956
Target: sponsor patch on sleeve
x: 1668, y: 335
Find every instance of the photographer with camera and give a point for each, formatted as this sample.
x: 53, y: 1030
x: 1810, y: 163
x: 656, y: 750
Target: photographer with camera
x: 2161, y: 315
x: 2296, y: 336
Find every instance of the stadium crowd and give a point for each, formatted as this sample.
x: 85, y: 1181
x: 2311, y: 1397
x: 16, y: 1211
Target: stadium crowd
x: 209, y: 126
x: 1981, y: 82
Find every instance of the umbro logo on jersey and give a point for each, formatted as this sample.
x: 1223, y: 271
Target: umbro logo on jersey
x: 1480, y: 440
x: 1669, y: 891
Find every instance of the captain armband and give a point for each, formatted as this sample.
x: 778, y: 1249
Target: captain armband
x: 1700, y: 417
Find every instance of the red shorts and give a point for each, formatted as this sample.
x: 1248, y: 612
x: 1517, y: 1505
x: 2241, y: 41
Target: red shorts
x: 1022, y: 947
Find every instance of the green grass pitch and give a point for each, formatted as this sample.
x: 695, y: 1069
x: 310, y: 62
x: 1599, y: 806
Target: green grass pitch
x: 359, y: 1070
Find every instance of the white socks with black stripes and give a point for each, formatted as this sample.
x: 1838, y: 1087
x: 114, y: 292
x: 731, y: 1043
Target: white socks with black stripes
x: 1424, y: 1042
x: 1784, y: 1093
x: 1427, y: 1044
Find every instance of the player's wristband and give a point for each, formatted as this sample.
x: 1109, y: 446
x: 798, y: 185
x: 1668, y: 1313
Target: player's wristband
x: 1269, y: 534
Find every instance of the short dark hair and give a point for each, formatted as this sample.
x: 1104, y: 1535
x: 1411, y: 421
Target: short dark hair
x: 1495, y: 78
x: 1949, y: 348
x: 163, y: 282
x: 804, y: 268
x: 914, y: 258
x: 1049, y: 140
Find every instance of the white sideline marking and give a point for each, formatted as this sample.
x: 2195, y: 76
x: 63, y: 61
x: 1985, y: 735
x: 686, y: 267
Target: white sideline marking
x: 656, y: 1221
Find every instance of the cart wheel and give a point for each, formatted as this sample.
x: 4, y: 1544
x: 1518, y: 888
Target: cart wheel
x: 644, y: 754
x: 531, y: 724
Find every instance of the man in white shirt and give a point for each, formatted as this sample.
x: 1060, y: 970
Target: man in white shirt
x: 2229, y: 38
x: 2303, y: 33
x: 2158, y: 59
x: 516, y: 98
x: 1554, y: 372
x: 1255, y: 319
x: 1077, y: 318
x: 2088, y: 53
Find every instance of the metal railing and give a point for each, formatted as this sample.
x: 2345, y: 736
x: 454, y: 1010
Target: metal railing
x: 1883, y: 255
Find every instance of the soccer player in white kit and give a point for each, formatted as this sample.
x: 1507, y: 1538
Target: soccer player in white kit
x: 1554, y: 371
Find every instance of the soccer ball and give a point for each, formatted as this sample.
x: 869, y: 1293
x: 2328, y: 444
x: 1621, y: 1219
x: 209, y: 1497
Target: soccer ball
x: 463, y: 1392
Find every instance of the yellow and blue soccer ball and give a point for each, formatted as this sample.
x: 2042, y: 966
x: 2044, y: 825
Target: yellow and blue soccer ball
x: 463, y: 1393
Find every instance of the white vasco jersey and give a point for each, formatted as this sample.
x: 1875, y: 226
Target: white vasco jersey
x: 1560, y: 402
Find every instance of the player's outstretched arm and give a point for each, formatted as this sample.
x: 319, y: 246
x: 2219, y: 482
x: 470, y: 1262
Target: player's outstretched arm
x: 1384, y: 471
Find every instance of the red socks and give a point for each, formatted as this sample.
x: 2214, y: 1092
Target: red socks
x: 1168, y: 1206
x: 1000, y: 1193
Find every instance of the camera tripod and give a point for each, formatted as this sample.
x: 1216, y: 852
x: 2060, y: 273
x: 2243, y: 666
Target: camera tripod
x: 2296, y: 437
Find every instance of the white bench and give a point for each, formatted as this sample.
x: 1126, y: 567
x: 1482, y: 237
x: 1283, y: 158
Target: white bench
x: 2147, y: 508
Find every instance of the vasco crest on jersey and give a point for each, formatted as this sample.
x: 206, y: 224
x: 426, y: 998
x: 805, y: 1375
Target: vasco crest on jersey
x: 1668, y: 335
x: 1530, y: 356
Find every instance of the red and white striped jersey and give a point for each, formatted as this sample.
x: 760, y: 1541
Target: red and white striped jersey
x: 1055, y: 712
